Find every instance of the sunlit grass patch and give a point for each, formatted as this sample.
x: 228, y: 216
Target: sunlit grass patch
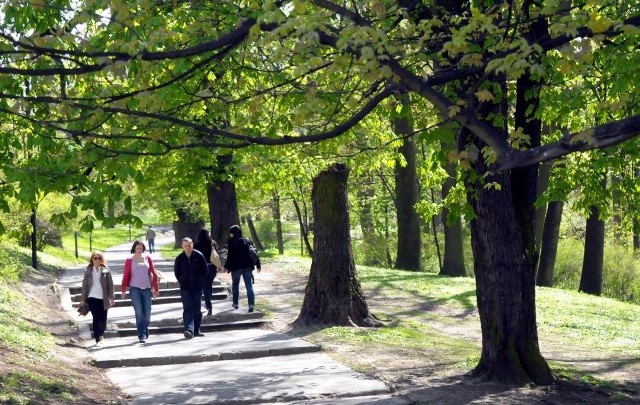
x: 588, y: 321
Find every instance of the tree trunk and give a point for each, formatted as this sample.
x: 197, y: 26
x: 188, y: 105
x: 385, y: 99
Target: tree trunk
x: 636, y: 234
x: 254, y: 234
x: 277, y: 218
x: 373, y: 255
x: 453, y: 264
x: 303, y: 229
x: 407, y: 194
x: 333, y: 295
x: 504, y: 247
x: 549, y: 243
x: 543, y: 183
x: 223, y: 204
x: 505, y: 281
x: 591, y: 278
x: 616, y: 196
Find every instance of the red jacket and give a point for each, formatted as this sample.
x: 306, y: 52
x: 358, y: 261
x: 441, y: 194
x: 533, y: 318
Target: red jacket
x: 126, y: 277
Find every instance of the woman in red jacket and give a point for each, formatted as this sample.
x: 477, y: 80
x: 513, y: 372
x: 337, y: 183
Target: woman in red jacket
x: 141, y: 278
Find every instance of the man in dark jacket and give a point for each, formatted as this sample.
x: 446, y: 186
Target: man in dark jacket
x: 191, y: 270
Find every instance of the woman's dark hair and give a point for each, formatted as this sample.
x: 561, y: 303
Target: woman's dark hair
x: 203, y: 235
x: 136, y: 243
x: 235, y: 231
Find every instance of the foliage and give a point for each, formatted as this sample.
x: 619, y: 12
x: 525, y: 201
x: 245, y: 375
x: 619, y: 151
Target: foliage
x: 621, y: 270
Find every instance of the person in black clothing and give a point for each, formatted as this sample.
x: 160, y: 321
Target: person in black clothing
x: 191, y: 270
x: 239, y: 263
x: 205, y: 245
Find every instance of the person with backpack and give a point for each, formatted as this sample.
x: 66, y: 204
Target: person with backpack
x: 241, y: 264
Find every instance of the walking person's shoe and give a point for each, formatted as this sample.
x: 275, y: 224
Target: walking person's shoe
x: 235, y: 306
x: 209, y: 313
x: 188, y: 334
x: 199, y: 334
x: 250, y: 309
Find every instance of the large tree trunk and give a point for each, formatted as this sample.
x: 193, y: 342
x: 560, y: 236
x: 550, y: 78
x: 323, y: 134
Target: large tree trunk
x: 591, y: 278
x: 333, y: 295
x: 453, y: 264
x: 277, y: 218
x: 549, y: 243
x: 505, y: 280
x: 504, y: 246
x: 223, y: 204
x: 407, y: 194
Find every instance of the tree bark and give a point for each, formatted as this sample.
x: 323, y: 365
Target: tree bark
x: 549, y: 243
x: 277, y: 218
x: 223, y: 203
x: 591, y: 278
x: 333, y: 295
x: 453, y: 263
x: 407, y: 194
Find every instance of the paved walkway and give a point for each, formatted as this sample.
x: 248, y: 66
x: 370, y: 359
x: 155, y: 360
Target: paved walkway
x: 236, y: 362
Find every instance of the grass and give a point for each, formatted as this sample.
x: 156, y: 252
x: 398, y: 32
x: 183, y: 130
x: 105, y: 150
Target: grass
x: 568, y: 320
x: 99, y: 239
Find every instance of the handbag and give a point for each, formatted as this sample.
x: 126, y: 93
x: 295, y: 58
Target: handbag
x: 83, y: 309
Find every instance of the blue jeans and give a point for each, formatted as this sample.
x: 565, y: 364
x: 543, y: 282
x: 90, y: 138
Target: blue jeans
x: 207, y: 290
x: 191, y: 312
x: 235, y: 286
x: 152, y: 244
x: 141, y: 300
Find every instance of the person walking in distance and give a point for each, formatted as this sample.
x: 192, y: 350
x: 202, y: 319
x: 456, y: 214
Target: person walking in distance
x: 151, y: 238
x: 240, y: 264
x: 97, y: 292
x: 141, y: 278
x: 206, y: 245
x: 191, y: 270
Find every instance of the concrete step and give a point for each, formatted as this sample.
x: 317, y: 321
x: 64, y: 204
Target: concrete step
x: 178, y: 328
x: 214, y: 346
x: 160, y: 300
x: 164, y: 292
x: 163, y: 285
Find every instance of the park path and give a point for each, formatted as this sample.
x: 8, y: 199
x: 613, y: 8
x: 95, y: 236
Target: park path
x: 238, y: 361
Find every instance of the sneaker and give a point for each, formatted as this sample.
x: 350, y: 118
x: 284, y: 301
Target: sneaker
x: 234, y: 306
x: 199, y: 334
x: 142, y: 340
x: 188, y: 334
x: 250, y: 309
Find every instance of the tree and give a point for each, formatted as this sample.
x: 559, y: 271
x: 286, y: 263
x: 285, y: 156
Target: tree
x: 333, y: 295
x: 109, y: 83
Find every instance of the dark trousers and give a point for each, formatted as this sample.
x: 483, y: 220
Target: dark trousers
x: 191, y: 309
x: 99, y: 314
x: 207, y: 290
x: 152, y: 244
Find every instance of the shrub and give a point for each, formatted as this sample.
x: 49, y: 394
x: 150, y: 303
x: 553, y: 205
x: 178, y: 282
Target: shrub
x: 621, y: 270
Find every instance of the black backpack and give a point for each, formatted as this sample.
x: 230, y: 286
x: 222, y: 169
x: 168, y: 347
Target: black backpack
x: 253, y: 253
